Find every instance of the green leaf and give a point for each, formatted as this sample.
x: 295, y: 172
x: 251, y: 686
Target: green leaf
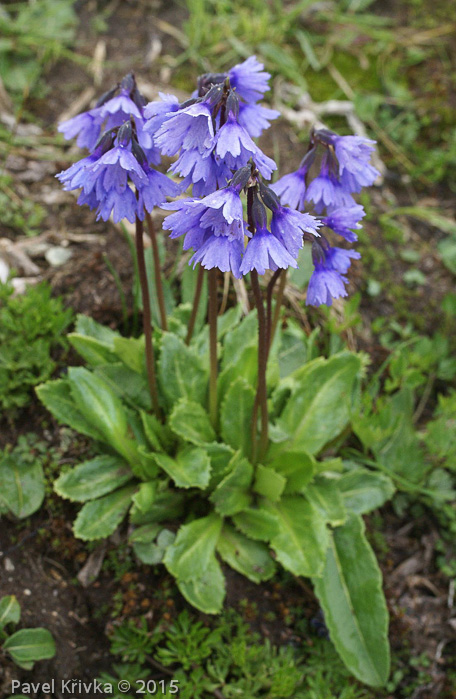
x: 250, y: 558
x: 269, y: 483
x: 236, y: 414
x: 247, y: 368
x: 190, y: 469
x: 188, y: 285
x: 93, y: 351
x: 21, y: 486
x: 220, y: 455
x: 87, y: 326
x: 93, y: 478
x: 189, y: 556
x: 126, y: 384
x: 319, y: 407
x: 297, y: 467
x: 301, y: 543
x: 149, y: 547
x: 131, y: 351
x: 207, y: 591
x: 257, y: 524
x: 153, y: 430
x: 325, y: 495
x: 232, y: 494
x: 99, y: 404
x: 350, y: 593
x: 10, y: 611
x: 57, y: 397
x: 364, y: 491
x: 180, y: 372
x: 144, y: 497
x: 100, y: 518
x: 28, y: 645
x: 190, y: 421
x: 167, y: 505
x: 243, y: 335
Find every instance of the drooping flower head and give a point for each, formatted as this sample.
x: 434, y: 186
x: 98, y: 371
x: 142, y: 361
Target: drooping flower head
x: 117, y: 179
x: 114, y: 108
x: 215, y: 229
x: 334, y: 168
x: 328, y: 281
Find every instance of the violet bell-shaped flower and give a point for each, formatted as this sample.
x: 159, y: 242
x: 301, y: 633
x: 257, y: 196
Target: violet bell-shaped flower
x: 328, y: 281
x: 289, y: 226
x: 264, y: 251
x: 106, y: 175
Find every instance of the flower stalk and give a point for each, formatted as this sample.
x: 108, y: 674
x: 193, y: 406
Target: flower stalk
x: 212, y: 318
x: 147, y: 320
x: 158, y: 279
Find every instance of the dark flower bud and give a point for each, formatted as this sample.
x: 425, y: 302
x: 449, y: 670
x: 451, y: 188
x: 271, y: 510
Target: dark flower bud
x: 105, y: 97
x: 189, y: 102
x: 214, y: 95
x: 269, y: 197
x: 324, y: 136
x: 128, y: 83
x: 138, y: 98
x: 259, y: 215
x: 318, y: 254
x: 124, y: 135
x: 105, y: 141
x: 232, y: 103
x: 241, y: 177
x: 308, y: 159
x: 139, y: 153
x: 206, y: 81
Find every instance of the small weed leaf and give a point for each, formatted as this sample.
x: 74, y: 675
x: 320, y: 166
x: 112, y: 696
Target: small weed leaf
x: 93, y: 478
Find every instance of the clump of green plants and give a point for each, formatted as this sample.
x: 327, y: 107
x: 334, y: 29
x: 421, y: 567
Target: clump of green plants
x: 25, y: 646
x: 32, y: 325
x: 227, y: 660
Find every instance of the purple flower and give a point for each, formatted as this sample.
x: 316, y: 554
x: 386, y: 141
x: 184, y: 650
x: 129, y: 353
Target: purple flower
x: 206, y: 174
x: 234, y: 145
x: 324, y: 286
x: 289, y: 227
x: 264, y: 251
x: 249, y: 79
x: 255, y: 118
x: 85, y: 126
x: 119, y: 109
x: 342, y: 221
x: 340, y: 259
x: 154, y: 192
x: 157, y: 112
x: 222, y: 252
x: 327, y: 281
x: 292, y: 188
x: 325, y: 191
x: 190, y: 128
x: 353, y: 154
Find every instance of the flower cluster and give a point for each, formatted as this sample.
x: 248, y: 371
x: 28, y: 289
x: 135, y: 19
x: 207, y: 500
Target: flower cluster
x: 344, y: 168
x: 117, y: 178
x: 212, y: 133
x: 214, y: 227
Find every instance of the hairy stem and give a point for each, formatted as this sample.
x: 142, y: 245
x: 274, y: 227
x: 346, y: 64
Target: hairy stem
x: 262, y: 396
x: 196, y: 303
x: 212, y: 317
x: 279, y: 298
x: 147, y: 321
x: 269, y: 291
x: 158, y: 278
